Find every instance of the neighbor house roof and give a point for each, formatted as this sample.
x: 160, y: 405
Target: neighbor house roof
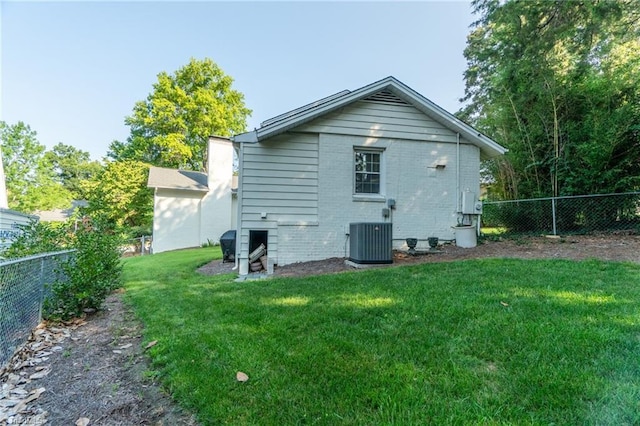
x: 60, y: 215
x: 160, y: 177
x: 299, y: 116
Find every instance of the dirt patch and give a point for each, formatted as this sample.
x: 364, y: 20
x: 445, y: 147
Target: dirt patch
x: 89, y: 370
x: 94, y: 369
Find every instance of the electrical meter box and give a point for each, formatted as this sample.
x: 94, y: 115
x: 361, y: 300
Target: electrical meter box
x: 470, y: 203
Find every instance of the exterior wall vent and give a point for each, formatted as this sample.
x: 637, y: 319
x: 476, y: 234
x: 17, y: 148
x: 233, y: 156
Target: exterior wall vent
x: 370, y: 242
x: 386, y: 97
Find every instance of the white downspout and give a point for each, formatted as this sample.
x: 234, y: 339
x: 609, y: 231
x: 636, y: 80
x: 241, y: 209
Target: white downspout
x: 458, y: 208
x: 239, y: 207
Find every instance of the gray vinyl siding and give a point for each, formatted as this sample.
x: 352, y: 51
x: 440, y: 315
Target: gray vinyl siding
x: 380, y: 120
x: 279, y: 178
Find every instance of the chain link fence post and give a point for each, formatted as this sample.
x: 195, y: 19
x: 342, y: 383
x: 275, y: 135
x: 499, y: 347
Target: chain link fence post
x: 553, y: 213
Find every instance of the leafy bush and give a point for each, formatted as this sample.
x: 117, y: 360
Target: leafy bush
x: 38, y: 237
x: 91, y: 273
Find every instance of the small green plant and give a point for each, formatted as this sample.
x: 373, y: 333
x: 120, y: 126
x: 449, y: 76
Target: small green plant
x: 150, y: 374
x: 210, y: 243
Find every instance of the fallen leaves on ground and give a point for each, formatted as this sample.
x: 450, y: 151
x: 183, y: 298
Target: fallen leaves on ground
x: 151, y: 344
x: 19, y: 377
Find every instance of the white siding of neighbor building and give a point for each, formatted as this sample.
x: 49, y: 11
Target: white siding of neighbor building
x: 311, y: 223
x: 188, y: 217
x: 217, y: 206
x: 10, y: 222
x: 176, y: 221
x: 279, y: 179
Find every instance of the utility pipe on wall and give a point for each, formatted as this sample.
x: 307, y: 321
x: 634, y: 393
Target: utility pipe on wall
x: 458, y: 194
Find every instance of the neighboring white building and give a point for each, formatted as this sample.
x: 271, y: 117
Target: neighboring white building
x: 10, y: 223
x: 193, y: 208
x: 381, y: 153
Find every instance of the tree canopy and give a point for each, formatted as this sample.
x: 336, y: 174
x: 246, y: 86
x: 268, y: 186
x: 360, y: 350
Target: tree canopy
x: 72, y: 167
x: 30, y: 179
x: 558, y: 84
x: 120, y: 196
x: 170, y: 128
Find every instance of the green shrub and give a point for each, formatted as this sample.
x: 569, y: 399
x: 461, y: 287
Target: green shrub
x: 92, y: 272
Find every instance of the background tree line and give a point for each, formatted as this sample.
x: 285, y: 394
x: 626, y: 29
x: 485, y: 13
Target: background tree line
x: 170, y: 128
x: 558, y: 84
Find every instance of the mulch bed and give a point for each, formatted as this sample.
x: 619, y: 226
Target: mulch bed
x: 621, y: 247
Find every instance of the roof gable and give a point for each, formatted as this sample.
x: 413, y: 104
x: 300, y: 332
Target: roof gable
x: 388, y: 90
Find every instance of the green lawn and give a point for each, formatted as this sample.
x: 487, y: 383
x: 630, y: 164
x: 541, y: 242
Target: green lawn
x: 486, y: 341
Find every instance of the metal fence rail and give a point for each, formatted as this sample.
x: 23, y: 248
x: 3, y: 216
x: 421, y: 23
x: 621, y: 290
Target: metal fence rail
x: 24, y: 285
x: 582, y: 214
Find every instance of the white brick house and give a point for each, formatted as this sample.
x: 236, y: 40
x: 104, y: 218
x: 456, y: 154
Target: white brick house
x: 304, y: 176
x: 192, y: 208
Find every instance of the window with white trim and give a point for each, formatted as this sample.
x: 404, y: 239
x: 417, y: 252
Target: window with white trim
x: 368, y: 171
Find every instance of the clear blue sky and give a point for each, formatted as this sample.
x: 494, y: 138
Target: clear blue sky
x: 73, y: 70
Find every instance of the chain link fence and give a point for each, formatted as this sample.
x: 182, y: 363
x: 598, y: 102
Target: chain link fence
x: 24, y: 285
x: 583, y: 214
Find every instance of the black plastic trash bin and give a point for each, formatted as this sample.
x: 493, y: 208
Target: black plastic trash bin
x: 228, y: 245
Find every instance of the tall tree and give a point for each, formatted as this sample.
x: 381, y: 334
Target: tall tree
x: 29, y: 177
x: 171, y: 127
x: 72, y: 166
x: 119, y: 194
x: 557, y: 83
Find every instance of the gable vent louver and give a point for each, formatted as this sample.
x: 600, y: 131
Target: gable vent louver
x: 386, y: 97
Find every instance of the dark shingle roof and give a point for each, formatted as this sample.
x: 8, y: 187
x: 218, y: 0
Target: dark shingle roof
x: 160, y: 177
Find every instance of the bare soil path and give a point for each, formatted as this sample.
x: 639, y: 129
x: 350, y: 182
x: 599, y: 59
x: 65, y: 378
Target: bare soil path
x: 88, y: 372
x: 92, y: 371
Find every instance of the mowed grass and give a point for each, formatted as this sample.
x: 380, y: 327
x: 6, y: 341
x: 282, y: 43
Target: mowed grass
x: 486, y: 341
